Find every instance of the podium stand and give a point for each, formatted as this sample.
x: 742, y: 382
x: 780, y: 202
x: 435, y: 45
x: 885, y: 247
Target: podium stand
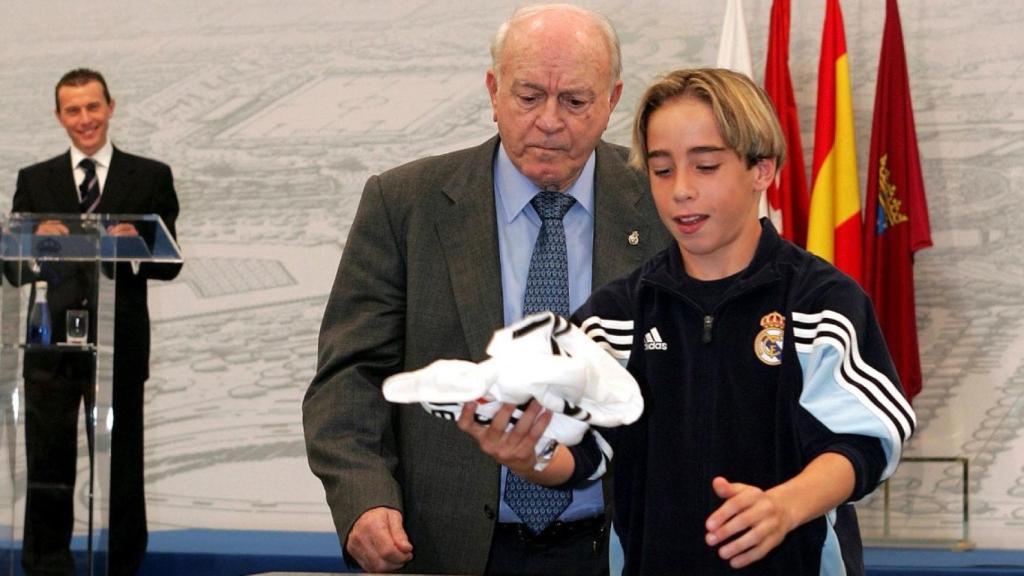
x: 39, y: 380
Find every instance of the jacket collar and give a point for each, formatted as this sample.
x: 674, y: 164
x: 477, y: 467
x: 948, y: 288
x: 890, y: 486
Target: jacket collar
x: 671, y: 274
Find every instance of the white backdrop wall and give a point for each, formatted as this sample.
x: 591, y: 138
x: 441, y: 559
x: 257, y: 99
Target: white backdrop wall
x: 273, y: 114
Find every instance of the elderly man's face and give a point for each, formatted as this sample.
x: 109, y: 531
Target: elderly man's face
x: 553, y: 99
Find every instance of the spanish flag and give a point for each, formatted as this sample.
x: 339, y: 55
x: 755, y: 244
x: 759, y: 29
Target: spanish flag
x: 787, y: 196
x: 896, y: 223
x: 834, y: 228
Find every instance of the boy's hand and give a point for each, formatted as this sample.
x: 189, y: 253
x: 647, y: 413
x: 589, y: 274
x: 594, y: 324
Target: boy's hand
x: 756, y: 520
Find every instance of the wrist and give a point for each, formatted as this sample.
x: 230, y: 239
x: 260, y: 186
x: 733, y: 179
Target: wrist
x: 557, y: 472
x: 789, y: 517
x: 525, y: 469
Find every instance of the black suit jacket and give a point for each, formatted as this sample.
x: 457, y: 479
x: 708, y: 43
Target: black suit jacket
x: 134, y: 185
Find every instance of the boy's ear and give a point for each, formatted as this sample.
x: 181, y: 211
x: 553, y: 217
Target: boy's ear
x: 764, y: 174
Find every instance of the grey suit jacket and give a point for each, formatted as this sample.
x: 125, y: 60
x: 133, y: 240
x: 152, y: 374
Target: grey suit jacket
x: 420, y: 280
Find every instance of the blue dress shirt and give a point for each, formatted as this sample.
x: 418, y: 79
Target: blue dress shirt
x: 518, y: 228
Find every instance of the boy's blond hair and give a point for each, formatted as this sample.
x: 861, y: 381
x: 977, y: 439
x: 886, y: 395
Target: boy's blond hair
x: 743, y: 113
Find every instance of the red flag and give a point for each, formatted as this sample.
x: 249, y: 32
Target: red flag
x: 896, y: 221
x: 834, y: 227
x: 787, y: 196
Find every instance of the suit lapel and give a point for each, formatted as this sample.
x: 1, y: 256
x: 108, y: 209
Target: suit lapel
x: 118, y: 184
x: 61, y: 186
x: 619, y: 193
x: 467, y: 231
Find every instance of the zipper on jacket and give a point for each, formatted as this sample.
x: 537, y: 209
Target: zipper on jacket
x: 760, y: 279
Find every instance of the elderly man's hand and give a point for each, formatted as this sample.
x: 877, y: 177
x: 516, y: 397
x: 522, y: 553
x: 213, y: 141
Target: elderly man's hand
x: 378, y: 541
x: 514, y: 447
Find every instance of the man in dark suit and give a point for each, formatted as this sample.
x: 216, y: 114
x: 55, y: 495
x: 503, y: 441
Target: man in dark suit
x: 93, y: 176
x: 435, y: 261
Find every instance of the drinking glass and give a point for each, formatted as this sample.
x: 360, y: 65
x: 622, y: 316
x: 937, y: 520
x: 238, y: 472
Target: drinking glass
x: 78, y: 326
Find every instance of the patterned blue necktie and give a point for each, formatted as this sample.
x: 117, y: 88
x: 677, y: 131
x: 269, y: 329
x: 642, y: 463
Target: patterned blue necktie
x: 547, y: 288
x: 90, y: 186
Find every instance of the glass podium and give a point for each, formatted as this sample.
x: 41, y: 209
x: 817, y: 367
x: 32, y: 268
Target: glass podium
x: 57, y: 308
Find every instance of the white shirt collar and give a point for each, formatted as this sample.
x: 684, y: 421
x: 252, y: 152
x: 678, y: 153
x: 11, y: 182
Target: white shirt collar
x: 101, y: 157
x: 516, y: 190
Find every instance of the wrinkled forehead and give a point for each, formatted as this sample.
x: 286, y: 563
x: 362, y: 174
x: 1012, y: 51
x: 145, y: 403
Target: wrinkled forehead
x: 579, y: 55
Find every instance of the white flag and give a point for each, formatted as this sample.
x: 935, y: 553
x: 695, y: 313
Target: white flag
x: 734, y: 54
x: 734, y: 48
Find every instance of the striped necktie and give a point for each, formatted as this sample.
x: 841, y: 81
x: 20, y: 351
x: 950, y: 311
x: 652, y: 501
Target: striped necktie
x: 89, y: 189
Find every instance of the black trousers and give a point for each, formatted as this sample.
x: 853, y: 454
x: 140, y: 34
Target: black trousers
x: 56, y: 386
x: 581, y: 553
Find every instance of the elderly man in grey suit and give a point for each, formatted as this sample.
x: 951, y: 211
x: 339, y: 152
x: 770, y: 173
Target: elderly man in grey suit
x: 437, y: 259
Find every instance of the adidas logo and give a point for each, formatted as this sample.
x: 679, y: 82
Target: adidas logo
x: 652, y: 340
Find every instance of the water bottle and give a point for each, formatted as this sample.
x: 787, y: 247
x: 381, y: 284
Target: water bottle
x: 39, y: 325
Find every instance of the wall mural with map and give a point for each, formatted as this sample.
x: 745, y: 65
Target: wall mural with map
x: 273, y: 115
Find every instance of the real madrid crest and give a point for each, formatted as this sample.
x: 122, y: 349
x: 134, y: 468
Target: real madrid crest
x: 768, y: 343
